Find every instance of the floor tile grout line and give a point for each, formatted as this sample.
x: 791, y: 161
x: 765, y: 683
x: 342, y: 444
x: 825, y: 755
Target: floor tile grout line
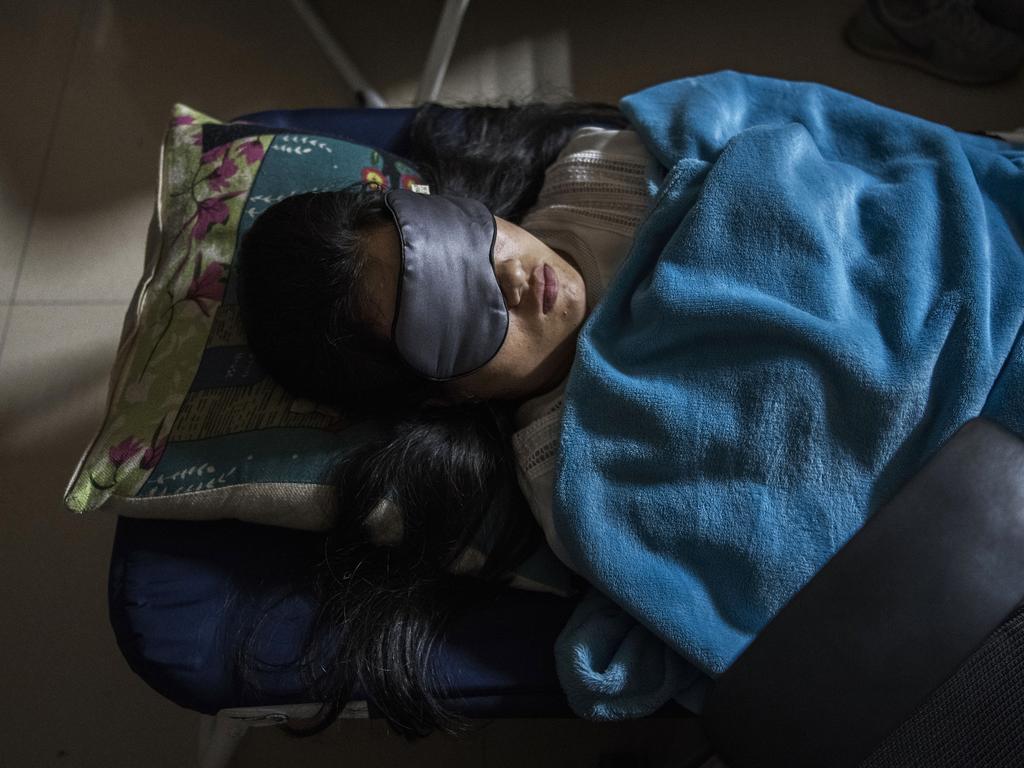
x: 72, y: 303
x: 54, y: 121
x: 8, y: 311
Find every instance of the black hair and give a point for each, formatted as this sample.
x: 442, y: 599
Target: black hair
x: 298, y: 277
x: 443, y: 473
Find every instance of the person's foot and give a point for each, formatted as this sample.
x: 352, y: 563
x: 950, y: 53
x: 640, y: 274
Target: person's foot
x: 947, y: 38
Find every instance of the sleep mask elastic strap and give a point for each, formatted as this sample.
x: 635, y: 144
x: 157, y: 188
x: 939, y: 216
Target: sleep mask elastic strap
x: 450, y: 314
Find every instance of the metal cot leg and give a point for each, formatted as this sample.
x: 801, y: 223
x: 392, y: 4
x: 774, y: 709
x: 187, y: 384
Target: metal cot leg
x: 445, y: 35
x: 220, y: 735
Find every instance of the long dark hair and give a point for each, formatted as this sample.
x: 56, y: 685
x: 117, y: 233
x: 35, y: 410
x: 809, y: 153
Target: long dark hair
x: 412, y: 500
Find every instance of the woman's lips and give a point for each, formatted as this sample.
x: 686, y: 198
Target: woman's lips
x: 550, y: 288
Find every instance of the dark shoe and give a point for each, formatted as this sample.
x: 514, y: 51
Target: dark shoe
x: 950, y: 40
x: 1008, y: 14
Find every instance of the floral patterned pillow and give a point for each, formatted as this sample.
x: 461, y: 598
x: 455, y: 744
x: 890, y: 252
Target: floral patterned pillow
x: 194, y: 428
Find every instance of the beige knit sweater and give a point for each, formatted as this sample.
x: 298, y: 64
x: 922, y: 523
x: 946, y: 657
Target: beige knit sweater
x: 593, y: 198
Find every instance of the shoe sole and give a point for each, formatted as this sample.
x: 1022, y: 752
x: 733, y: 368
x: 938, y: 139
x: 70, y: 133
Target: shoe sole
x: 867, y: 36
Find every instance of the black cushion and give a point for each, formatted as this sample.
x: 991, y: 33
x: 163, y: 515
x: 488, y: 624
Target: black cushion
x: 890, y: 617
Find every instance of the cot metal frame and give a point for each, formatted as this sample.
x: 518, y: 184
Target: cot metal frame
x: 434, y: 69
x: 220, y: 735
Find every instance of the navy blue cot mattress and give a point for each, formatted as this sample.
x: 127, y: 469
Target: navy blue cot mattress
x: 183, y: 594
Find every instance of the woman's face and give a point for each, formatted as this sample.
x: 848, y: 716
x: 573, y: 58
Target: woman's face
x: 539, y: 347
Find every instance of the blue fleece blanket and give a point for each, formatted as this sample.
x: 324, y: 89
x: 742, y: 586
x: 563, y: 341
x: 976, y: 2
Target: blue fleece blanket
x: 822, y: 293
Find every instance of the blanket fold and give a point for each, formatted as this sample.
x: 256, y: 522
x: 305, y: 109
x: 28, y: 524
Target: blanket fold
x: 823, y: 292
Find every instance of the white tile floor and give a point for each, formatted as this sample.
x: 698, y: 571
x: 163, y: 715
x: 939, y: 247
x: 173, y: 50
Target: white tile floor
x: 87, y: 89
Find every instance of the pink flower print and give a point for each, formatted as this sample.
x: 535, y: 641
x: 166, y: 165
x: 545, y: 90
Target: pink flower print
x: 211, y: 211
x: 183, y: 120
x: 219, y: 178
x: 252, y: 150
x: 213, y: 155
x: 207, y: 287
x: 374, y: 176
x: 197, y: 140
x: 153, y: 454
x: 407, y: 180
x: 124, y: 450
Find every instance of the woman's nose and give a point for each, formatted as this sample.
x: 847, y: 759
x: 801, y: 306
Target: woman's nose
x: 513, y: 280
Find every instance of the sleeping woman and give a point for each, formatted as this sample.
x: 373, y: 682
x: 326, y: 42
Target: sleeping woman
x: 700, y: 340
x: 318, y: 285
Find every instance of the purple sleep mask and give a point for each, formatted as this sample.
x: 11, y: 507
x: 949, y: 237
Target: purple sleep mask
x: 450, y: 314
